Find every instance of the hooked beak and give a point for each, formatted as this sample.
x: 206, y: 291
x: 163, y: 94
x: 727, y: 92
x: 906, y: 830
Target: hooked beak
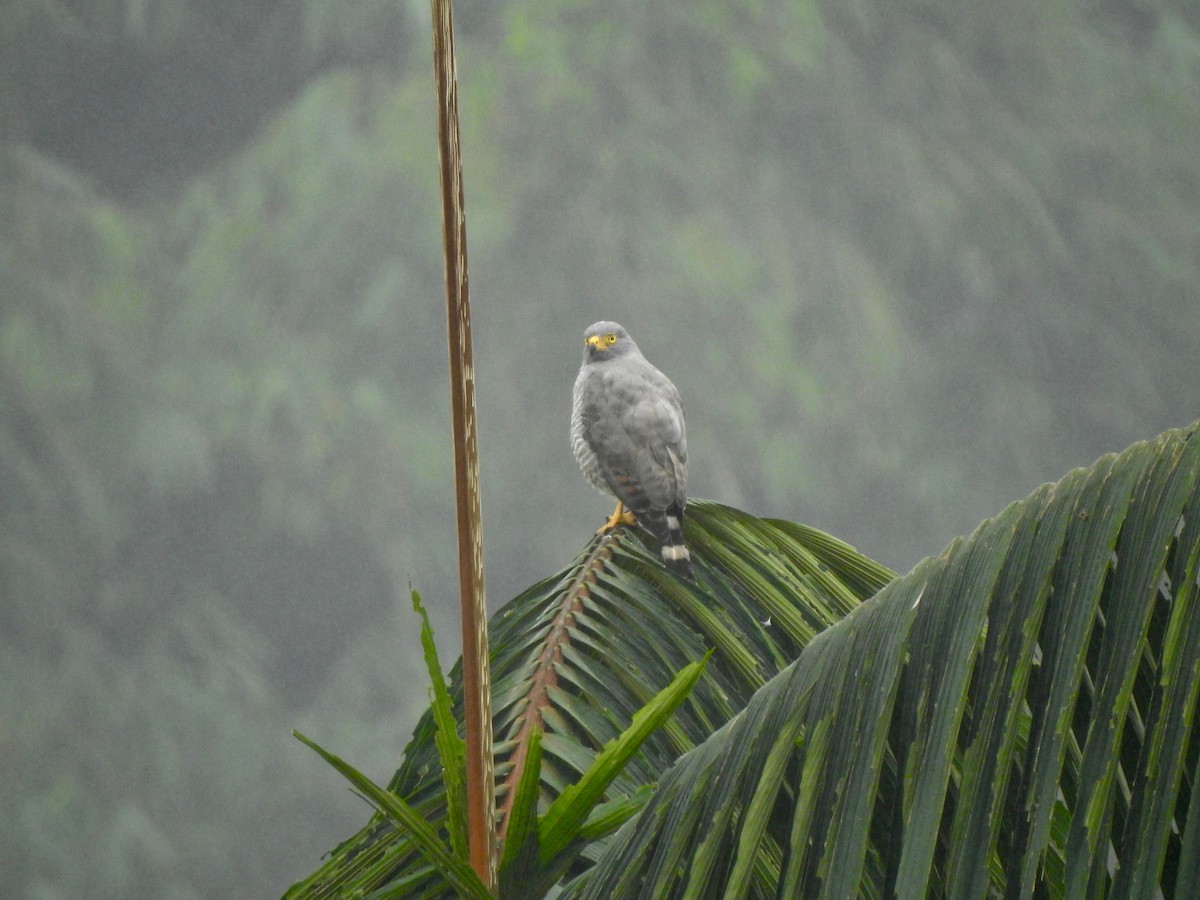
x: 593, y: 341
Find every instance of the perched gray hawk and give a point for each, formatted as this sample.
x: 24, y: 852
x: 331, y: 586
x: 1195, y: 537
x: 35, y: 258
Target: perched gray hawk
x: 628, y: 434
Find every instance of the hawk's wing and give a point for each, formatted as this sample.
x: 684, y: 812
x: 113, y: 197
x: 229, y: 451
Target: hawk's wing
x: 644, y: 453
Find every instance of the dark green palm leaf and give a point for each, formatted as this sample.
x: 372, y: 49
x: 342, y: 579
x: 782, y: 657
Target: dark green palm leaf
x: 576, y: 656
x: 1016, y: 717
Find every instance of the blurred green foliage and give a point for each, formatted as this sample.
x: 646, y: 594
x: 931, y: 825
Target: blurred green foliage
x: 905, y: 261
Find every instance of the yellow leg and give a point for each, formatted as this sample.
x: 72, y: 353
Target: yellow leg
x: 620, y: 516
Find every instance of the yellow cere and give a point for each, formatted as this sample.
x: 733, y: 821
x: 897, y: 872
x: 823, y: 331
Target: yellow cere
x: 596, y: 339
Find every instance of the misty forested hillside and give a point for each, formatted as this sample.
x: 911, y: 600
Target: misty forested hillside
x: 905, y: 261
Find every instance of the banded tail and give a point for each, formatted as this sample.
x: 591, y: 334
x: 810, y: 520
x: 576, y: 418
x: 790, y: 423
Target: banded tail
x: 667, y: 527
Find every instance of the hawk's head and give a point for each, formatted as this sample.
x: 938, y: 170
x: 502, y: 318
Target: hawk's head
x: 606, y: 340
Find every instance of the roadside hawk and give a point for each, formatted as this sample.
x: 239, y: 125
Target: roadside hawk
x: 628, y: 434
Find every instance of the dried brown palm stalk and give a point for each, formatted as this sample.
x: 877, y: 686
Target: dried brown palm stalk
x: 477, y: 687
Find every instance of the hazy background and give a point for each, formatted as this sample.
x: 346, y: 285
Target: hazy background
x: 904, y: 260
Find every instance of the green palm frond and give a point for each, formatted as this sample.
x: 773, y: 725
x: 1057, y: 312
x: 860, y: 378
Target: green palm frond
x: 1016, y: 717
x: 576, y: 656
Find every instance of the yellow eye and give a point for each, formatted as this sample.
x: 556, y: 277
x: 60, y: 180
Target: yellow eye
x: 610, y: 339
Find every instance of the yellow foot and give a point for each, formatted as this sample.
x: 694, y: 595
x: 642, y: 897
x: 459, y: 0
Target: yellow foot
x: 620, y: 516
